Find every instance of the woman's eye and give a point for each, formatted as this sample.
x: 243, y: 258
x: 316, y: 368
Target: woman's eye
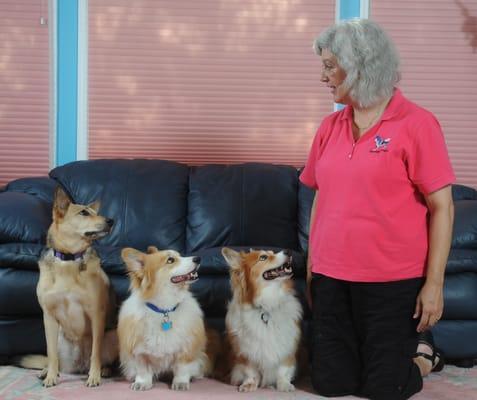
x: 170, y: 260
x: 85, y: 213
x: 263, y: 257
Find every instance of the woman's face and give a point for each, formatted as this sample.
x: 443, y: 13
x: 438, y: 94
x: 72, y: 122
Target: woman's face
x: 333, y: 75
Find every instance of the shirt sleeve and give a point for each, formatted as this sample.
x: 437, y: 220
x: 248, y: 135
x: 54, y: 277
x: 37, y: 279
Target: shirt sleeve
x: 428, y: 163
x: 308, y: 175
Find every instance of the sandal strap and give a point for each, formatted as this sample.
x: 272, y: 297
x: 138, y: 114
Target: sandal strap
x: 430, y: 357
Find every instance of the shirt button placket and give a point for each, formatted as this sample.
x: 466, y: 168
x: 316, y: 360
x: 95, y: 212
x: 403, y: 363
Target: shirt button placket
x: 350, y: 155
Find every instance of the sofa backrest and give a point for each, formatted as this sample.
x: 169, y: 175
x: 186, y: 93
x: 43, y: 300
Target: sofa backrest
x: 146, y: 198
x: 249, y: 204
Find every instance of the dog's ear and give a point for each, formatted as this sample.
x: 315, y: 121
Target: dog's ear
x: 95, y: 206
x: 152, y: 249
x: 232, y: 257
x: 61, y: 203
x: 134, y: 260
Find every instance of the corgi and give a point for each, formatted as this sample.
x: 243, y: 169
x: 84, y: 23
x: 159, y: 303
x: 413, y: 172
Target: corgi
x: 263, y: 321
x: 75, y: 296
x: 160, y: 326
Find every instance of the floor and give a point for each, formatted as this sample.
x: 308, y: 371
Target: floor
x: 452, y: 383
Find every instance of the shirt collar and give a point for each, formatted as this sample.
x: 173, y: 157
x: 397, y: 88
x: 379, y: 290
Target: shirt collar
x: 392, y: 109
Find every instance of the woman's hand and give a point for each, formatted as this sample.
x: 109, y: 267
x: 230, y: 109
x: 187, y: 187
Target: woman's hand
x: 429, y: 305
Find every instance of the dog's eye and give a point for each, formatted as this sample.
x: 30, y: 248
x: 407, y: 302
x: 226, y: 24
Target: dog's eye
x: 263, y: 257
x: 85, y: 213
x: 170, y: 260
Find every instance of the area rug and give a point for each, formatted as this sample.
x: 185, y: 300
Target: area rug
x: 19, y: 384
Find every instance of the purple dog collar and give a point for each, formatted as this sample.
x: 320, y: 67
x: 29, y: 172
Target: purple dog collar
x: 68, y: 256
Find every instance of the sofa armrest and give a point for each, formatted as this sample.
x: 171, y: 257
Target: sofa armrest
x: 23, y: 217
x: 464, y: 234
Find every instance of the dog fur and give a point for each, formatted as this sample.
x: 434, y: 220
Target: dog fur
x: 75, y: 296
x: 263, y: 320
x: 147, y: 350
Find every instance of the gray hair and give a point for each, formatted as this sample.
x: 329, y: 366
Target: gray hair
x: 367, y: 55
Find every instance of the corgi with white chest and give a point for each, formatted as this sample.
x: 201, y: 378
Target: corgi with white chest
x: 263, y: 320
x: 160, y: 327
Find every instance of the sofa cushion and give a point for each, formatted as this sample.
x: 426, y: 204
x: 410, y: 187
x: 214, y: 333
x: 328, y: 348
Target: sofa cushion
x: 461, y: 260
x: 20, y: 255
x: 18, y: 292
x: 41, y: 187
x: 460, y: 294
x: 461, y: 192
x: 146, y: 198
x: 242, y: 205
x: 26, y: 255
x: 23, y: 218
x: 305, y: 202
x: 464, y: 235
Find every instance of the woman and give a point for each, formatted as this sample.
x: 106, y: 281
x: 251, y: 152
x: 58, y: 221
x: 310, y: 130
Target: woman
x: 381, y: 223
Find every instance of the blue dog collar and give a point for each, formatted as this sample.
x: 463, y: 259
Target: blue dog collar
x: 166, y: 324
x: 154, y: 308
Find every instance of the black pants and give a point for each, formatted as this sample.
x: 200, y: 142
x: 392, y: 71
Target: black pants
x: 364, y: 338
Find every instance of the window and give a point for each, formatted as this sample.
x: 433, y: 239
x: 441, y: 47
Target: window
x: 205, y: 81
x: 24, y: 79
x: 437, y: 41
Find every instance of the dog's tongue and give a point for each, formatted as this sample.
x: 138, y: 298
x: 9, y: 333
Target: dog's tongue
x: 191, y: 276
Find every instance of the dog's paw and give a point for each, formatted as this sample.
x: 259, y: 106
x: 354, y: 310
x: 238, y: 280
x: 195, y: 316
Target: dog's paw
x: 50, y: 380
x: 285, y: 387
x: 42, y: 375
x: 248, y: 387
x: 180, y: 386
x: 106, y: 372
x: 93, y: 380
x: 139, y: 386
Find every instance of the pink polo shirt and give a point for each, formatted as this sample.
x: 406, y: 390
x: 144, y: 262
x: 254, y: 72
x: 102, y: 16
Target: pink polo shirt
x: 371, y: 220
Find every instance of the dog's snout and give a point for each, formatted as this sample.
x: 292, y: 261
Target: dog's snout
x: 110, y: 222
x: 196, y: 260
x: 287, y: 252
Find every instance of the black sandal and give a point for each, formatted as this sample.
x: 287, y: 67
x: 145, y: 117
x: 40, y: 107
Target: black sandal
x: 427, y: 339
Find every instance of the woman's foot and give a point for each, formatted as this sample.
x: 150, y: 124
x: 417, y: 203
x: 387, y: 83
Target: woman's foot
x: 427, y: 357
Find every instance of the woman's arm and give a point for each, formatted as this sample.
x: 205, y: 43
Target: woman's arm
x: 430, y: 302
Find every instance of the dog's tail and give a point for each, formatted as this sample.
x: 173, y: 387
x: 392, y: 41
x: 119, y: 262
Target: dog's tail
x: 30, y: 361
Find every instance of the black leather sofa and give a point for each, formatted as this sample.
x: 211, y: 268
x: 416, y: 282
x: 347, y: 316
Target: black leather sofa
x: 196, y: 211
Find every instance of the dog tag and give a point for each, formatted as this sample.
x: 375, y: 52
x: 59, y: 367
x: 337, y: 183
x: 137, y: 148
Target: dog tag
x: 265, y: 317
x: 166, y: 325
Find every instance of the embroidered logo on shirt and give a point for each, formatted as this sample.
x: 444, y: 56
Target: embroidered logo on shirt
x: 381, y: 144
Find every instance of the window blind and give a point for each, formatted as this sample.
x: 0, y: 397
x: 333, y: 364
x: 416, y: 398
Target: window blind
x: 24, y: 98
x: 205, y: 81
x: 437, y: 41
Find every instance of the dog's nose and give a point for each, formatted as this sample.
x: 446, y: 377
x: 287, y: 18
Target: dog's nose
x: 196, y: 260
x: 110, y: 222
x: 287, y: 252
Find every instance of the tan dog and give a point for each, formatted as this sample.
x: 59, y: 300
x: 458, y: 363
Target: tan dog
x: 262, y: 321
x: 75, y: 295
x: 161, y: 328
